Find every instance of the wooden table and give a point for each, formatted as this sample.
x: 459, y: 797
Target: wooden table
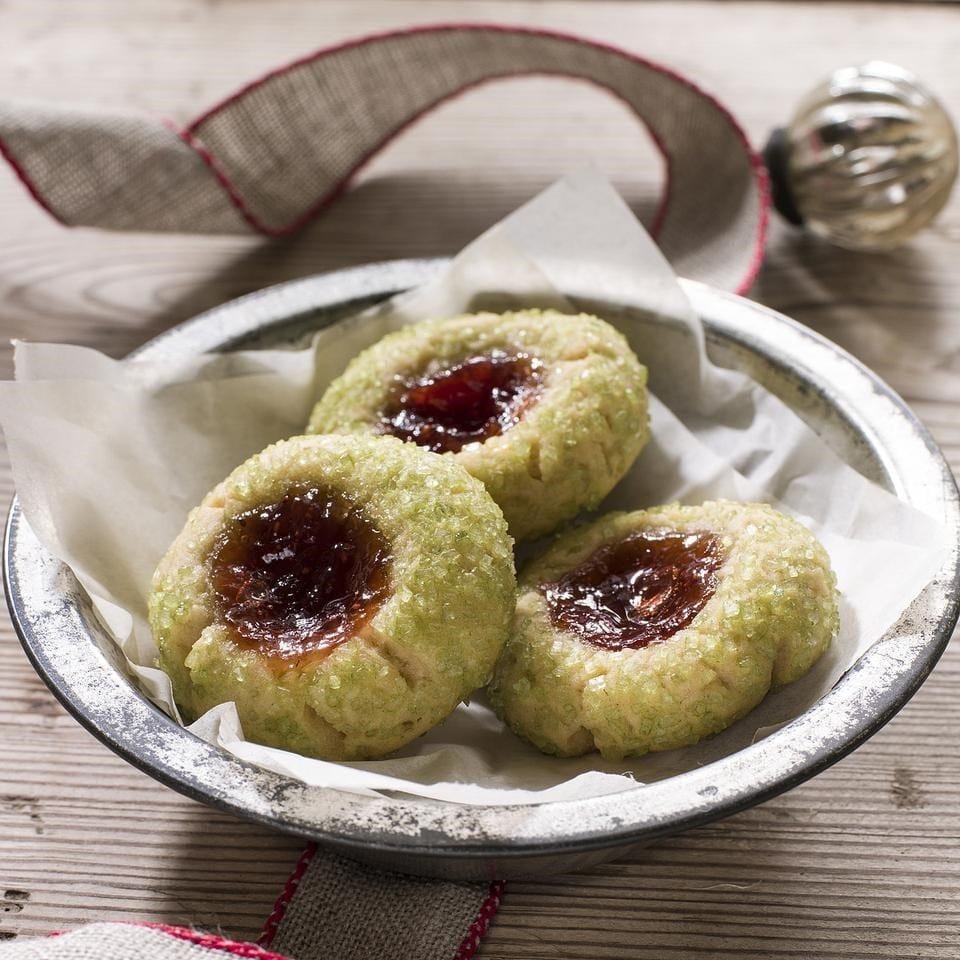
x: 862, y: 862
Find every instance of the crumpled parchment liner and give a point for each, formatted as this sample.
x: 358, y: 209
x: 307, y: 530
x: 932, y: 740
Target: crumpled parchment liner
x: 109, y: 456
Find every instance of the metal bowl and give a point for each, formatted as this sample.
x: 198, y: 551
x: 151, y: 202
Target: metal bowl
x: 861, y: 417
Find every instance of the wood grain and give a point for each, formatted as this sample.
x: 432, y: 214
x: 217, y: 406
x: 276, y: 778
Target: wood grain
x: 862, y: 862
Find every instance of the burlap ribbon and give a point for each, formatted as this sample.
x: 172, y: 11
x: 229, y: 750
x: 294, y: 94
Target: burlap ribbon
x: 268, y: 159
x: 273, y: 155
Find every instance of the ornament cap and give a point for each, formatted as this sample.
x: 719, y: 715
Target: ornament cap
x: 776, y: 157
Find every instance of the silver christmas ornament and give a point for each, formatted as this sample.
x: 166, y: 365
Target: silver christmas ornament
x: 868, y: 159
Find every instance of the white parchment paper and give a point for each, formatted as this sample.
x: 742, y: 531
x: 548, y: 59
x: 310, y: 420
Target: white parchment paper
x: 109, y: 456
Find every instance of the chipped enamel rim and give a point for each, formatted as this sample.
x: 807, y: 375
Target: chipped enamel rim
x: 852, y: 408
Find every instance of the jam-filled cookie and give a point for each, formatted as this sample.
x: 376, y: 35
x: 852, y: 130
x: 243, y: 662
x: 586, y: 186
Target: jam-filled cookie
x: 651, y: 630
x: 547, y: 410
x: 345, y: 592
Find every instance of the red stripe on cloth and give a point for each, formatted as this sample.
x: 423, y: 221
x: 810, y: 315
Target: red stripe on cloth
x: 475, y: 932
x: 209, y: 940
x: 213, y: 942
x: 286, y: 895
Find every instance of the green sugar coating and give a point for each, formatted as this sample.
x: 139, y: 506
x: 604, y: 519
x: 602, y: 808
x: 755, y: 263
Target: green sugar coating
x: 434, y: 640
x: 773, y: 614
x: 573, y: 443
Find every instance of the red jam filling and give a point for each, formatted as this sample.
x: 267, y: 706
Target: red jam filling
x: 638, y: 591
x: 479, y: 398
x: 299, y: 576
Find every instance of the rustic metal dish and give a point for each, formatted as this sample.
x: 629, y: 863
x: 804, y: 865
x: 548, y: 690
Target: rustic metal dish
x: 850, y: 407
